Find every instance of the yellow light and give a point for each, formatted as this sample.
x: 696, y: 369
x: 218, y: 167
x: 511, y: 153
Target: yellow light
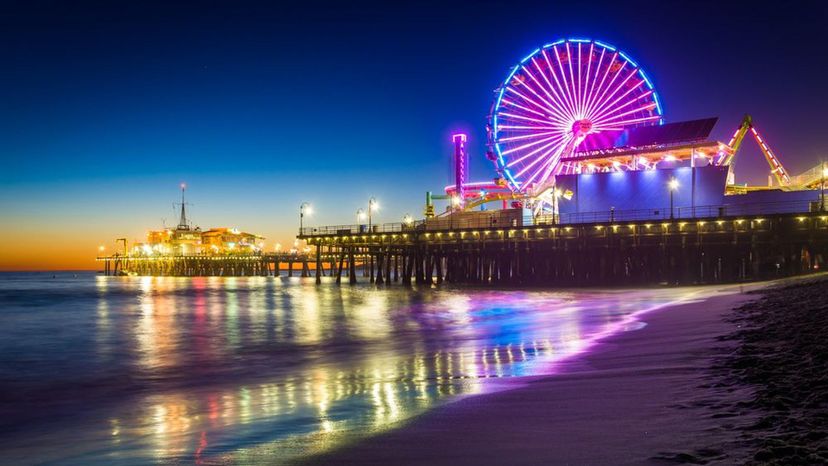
x: 719, y: 222
x: 648, y: 225
x: 739, y: 222
x: 801, y: 219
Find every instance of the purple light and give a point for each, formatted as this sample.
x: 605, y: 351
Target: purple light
x: 540, y: 114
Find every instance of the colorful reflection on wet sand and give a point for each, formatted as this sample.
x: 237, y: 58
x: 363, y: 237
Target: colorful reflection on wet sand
x: 103, y: 370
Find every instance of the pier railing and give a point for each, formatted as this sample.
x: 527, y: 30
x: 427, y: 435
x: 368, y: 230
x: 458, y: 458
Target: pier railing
x: 573, y: 218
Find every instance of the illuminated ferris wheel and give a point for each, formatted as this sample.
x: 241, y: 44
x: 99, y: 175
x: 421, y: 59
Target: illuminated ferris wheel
x: 554, y: 99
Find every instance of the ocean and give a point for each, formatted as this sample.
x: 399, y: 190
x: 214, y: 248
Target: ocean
x: 235, y: 370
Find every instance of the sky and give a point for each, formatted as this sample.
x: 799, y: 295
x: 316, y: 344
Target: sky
x: 105, y: 108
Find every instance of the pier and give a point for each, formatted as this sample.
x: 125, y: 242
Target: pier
x: 266, y: 264
x: 705, y: 245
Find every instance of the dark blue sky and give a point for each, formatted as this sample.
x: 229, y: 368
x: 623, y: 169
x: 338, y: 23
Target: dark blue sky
x: 260, y: 105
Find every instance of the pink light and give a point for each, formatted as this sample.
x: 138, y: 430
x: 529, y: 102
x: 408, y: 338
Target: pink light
x: 462, y: 137
x: 536, y: 110
x: 558, y: 98
x: 617, y: 88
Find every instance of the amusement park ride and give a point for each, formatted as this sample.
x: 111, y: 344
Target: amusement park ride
x: 580, y: 106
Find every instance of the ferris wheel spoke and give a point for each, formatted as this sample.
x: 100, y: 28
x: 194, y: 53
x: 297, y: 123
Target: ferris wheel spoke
x: 527, y: 136
x: 535, y: 112
x: 591, y: 90
x: 549, y: 87
x: 529, y: 100
x: 549, y: 142
x: 532, y: 128
x: 649, y: 106
x: 586, y: 75
x: 525, y: 118
x: 552, y: 112
x: 564, y: 88
x: 562, y: 98
x: 553, y: 102
x: 616, y: 105
x: 635, y: 101
x: 542, y: 158
x: 596, y: 94
x: 621, y: 124
x: 603, y: 89
x: 553, y: 157
x: 547, y: 105
x: 572, y: 81
x: 580, y: 93
x: 535, y: 92
x: 611, y: 94
x: 524, y: 108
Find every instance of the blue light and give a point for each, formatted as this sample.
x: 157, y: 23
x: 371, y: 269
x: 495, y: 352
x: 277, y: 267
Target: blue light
x: 554, y: 43
x: 625, y: 57
x: 658, y: 107
x: 606, y: 46
x: 580, y: 40
x: 646, y: 79
x: 530, y: 56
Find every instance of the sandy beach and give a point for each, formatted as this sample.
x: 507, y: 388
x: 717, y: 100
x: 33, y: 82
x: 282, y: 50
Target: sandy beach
x: 679, y: 390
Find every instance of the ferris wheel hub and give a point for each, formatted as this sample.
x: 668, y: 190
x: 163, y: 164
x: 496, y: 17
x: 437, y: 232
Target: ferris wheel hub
x: 581, y: 127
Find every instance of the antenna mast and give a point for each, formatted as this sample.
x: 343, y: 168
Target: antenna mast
x: 182, y: 222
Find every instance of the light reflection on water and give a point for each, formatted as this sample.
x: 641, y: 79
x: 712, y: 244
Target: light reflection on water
x: 100, y: 370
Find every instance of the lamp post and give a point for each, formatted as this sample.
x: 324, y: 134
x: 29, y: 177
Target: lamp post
x: 822, y: 188
x: 360, y: 215
x: 555, y: 200
x: 372, y: 205
x: 673, y: 185
x: 408, y: 220
x: 303, y: 209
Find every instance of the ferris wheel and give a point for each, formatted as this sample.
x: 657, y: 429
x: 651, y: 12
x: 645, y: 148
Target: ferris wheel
x: 556, y: 97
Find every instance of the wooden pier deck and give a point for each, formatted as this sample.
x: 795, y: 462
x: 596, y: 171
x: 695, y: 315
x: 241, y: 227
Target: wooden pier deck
x: 712, y: 246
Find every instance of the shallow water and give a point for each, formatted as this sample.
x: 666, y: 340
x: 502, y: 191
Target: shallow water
x: 129, y: 370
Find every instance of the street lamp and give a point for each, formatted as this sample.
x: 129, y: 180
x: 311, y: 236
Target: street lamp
x: 304, y: 208
x: 822, y: 188
x: 360, y: 216
x: 555, y: 196
x: 372, y: 206
x: 408, y: 220
x: 673, y: 185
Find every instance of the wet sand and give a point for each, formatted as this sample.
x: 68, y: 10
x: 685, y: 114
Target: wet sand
x: 782, y: 358
x: 641, y: 397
